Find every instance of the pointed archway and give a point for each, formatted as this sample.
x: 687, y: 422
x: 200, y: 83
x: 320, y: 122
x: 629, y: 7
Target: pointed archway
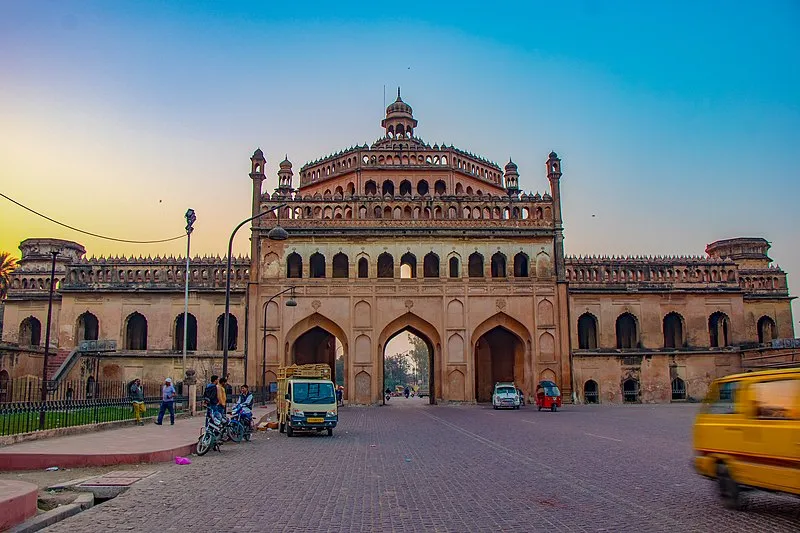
x: 500, y: 344
x: 430, y: 336
x: 313, y: 340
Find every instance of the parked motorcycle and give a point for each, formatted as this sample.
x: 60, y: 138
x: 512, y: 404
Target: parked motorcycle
x: 241, y: 424
x: 214, y: 432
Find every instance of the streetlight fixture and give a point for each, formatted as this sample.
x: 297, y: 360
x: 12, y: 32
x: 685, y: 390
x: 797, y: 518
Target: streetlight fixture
x: 47, y: 340
x: 289, y: 303
x: 275, y: 234
x: 190, y: 220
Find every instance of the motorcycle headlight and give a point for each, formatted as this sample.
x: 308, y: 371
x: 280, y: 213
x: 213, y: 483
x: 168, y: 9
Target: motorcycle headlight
x: 330, y: 414
x: 298, y: 412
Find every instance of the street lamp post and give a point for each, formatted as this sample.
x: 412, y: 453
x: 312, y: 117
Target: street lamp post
x: 47, y: 339
x: 190, y: 219
x: 276, y: 234
x: 289, y: 303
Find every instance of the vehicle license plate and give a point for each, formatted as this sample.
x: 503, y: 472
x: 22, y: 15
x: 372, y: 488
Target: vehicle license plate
x: 316, y: 420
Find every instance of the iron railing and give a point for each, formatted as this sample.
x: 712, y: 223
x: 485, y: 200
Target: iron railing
x: 67, y: 405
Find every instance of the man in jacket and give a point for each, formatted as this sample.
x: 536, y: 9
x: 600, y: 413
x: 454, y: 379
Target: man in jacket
x: 137, y: 400
x: 167, y: 402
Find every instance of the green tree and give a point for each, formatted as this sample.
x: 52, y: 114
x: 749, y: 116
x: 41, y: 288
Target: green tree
x: 419, y: 353
x: 8, y: 264
x: 396, y: 371
x: 340, y: 370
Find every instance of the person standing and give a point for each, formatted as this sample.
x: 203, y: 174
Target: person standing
x: 167, y: 402
x: 222, y: 386
x: 339, y: 395
x: 137, y: 400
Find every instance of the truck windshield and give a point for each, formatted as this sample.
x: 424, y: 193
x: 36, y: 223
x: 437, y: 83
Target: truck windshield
x: 506, y: 390
x: 313, y: 393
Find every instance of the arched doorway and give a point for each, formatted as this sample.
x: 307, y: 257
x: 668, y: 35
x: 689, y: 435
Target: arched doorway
x: 318, y: 340
x: 591, y: 392
x: 499, y: 351
x: 428, y: 337
x: 407, y: 357
x: 5, y: 387
x: 88, y: 327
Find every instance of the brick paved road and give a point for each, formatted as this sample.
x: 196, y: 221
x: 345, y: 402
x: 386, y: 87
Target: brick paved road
x: 469, y: 468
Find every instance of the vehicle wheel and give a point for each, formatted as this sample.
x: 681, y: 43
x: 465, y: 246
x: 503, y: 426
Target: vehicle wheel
x: 728, y: 488
x: 330, y: 432
x: 554, y: 408
x: 494, y: 407
x: 204, y: 443
x: 289, y: 431
x: 235, y: 432
x: 539, y: 408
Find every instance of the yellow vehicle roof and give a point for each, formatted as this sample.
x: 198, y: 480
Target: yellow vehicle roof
x: 762, y: 373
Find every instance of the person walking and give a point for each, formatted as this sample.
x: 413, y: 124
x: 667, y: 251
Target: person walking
x: 167, y: 402
x: 137, y: 400
x: 339, y: 395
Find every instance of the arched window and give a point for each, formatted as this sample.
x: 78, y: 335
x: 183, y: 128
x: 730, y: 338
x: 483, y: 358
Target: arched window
x: 316, y: 265
x: 387, y: 188
x: 454, y: 271
x: 591, y: 392
x: 587, y: 332
x: 294, y: 266
x: 385, y: 265
x: 30, y: 332
x: 430, y: 265
x: 475, y: 267
x: 233, y: 332
x: 678, y: 389
x: 630, y: 390
x: 766, y: 330
x: 370, y: 188
x: 405, y: 188
x: 363, y: 268
x: 423, y: 188
x: 498, y: 265
x: 627, y: 336
x: 88, y: 327
x: 191, y: 333
x: 673, y: 331
x: 718, y: 327
x: 136, y: 332
x: 341, y: 266
x: 440, y: 187
x: 521, y: 262
x: 408, y: 266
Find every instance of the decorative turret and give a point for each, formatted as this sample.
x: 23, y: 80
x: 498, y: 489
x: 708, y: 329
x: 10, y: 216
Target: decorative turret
x: 553, y: 166
x: 285, y: 177
x: 512, y: 178
x: 257, y: 163
x: 399, y: 121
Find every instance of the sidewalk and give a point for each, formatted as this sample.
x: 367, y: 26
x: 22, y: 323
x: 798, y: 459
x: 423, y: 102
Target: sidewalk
x: 130, y: 445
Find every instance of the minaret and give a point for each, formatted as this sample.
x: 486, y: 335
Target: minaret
x: 257, y: 163
x: 554, y: 176
x: 285, y: 178
x: 512, y: 178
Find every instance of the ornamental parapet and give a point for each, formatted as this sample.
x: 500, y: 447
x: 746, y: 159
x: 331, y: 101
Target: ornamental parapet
x: 396, y: 211
x: 400, y: 153
x: 159, y: 273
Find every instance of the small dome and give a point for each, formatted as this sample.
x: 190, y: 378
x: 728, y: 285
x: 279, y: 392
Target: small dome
x: 258, y: 154
x: 286, y: 163
x: 399, y: 106
x: 511, y: 166
x: 553, y: 155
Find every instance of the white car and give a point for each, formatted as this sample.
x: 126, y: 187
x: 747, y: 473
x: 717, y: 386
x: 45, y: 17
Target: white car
x: 505, y: 395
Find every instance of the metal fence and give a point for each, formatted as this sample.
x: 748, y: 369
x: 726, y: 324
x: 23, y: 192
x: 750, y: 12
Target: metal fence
x: 74, y: 404
x: 261, y: 395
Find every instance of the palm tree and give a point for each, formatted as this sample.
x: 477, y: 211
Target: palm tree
x: 8, y: 264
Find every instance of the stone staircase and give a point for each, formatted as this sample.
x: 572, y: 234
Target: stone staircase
x: 59, y: 365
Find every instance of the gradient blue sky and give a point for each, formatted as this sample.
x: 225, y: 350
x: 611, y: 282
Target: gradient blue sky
x: 678, y: 123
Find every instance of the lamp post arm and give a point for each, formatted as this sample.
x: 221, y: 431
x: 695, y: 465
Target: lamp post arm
x: 264, y: 344
x: 228, y: 285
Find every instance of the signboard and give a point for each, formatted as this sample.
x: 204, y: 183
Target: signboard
x: 105, y: 345
x: 786, y: 343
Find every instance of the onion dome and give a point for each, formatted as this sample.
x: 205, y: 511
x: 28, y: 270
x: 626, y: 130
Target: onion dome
x: 398, y: 106
x: 511, y: 166
x: 258, y: 154
x: 286, y: 163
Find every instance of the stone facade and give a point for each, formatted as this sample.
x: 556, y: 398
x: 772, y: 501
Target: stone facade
x: 402, y: 236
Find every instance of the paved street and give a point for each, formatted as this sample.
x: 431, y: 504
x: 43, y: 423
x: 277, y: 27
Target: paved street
x: 413, y: 467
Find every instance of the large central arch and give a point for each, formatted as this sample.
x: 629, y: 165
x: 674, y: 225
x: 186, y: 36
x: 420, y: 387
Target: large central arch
x: 425, y: 331
x: 500, y: 345
x: 313, y: 340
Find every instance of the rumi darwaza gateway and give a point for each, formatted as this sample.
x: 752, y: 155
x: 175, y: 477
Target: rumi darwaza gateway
x: 402, y: 236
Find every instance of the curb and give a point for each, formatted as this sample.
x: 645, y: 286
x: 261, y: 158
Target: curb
x: 37, y: 461
x: 49, y: 518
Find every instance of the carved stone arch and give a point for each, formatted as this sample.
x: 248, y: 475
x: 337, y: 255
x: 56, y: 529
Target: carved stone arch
x: 362, y: 314
x: 548, y: 375
x: 545, y: 313
x: 547, y: 347
x: 456, y: 386
x: 455, y: 348
x: 309, y: 323
x: 505, y: 321
x: 455, y: 314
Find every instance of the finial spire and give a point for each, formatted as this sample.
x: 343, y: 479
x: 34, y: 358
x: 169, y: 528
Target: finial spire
x: 398, y: 92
